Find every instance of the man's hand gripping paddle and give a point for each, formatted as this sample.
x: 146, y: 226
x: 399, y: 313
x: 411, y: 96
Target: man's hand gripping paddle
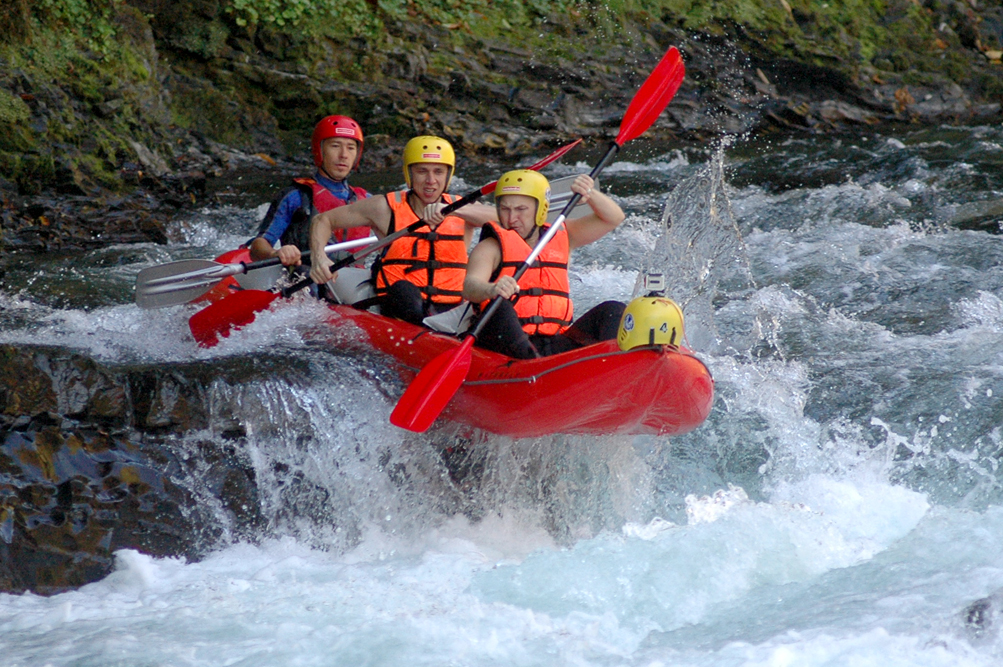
x: 240, y: 308
x: 440, y: 379
x: 180, y: 282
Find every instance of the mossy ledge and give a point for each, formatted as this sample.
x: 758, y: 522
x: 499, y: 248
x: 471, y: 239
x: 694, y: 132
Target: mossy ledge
x: 114, y: 113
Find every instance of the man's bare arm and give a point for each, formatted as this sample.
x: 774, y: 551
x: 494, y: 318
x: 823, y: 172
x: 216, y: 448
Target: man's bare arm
x: 373, y: 212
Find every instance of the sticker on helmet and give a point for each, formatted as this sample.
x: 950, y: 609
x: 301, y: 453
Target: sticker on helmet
x: 431, y: 156
x: 510, y: 188
x: 345, y: 130
x: 628, y: 322
x: 664, y: 328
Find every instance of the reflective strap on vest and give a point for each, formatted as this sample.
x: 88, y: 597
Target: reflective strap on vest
x: 540, y: 291
x: 430, y: 251
x: 540, y: 319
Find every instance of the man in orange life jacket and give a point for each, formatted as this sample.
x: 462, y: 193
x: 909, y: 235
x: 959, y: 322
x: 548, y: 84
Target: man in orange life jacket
x: 337, y: 148
x: 539, y: 321
x: 421, y: 273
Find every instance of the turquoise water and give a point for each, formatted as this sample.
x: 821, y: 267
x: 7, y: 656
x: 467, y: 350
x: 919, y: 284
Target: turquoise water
x: 841, y: 506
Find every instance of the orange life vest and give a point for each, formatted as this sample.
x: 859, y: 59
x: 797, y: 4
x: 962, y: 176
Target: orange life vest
x: 434, y: 261
x: 543, y: 303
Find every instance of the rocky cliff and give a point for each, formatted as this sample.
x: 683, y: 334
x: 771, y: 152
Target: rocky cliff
x: 112, y: 120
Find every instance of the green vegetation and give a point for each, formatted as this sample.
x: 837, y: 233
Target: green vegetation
x: 71, y: 92
x: 92, y: 20
x: 13, y: 110
x: 78, y: 77
x: 858, y: 28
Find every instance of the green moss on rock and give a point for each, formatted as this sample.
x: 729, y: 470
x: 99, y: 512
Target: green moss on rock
x: 30, y: 171
x: 13, y: 110
x: 251, y: 73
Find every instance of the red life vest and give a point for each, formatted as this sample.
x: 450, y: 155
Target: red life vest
x: 543, y: 303
x: 324, y: 200
x: 434, y: 261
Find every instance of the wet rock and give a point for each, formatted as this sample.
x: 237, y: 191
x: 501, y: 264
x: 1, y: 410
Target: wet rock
x: 978, y: 616
x: 941, y: 103
x: 69, y: 498
x: 155, y: 164
x: 981, y: 619
x: 214, y: 98
x: 834, y: 111
x: 984, y: 216
x: 88, y: 465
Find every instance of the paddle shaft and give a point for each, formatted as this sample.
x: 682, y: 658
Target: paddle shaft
x: 334, y: 247
x: 468, y: 198
x: 186, y: 280
x: 440, y: 379
x: 368, y: 250
x: 545, y: 239
x: 220, y: 271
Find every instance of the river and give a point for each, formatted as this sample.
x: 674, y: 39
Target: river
x: 841, y: 506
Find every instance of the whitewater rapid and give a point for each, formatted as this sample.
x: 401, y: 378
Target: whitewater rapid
x: 841, y: 506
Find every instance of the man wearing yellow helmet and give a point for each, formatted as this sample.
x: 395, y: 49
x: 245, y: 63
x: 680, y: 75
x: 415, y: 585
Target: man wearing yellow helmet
x: 421, y: 273
x: 539, y: 321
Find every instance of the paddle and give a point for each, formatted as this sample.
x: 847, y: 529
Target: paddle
x: 180, y: 282
x: 239, y: 309
x: 459, y: 203
x: 440, y: 379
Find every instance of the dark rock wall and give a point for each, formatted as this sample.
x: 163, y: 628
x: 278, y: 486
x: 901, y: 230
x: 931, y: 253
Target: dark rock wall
x: 99, y: 148
x: 88, y: 465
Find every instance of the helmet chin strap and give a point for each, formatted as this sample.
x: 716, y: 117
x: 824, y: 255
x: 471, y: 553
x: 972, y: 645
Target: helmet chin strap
x: 336, y: 180
x: 358, y: 156
x: 421, y: 202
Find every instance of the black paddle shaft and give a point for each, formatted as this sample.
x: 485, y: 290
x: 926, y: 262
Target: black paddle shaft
x: 496, y: 302
x: 387, y: 240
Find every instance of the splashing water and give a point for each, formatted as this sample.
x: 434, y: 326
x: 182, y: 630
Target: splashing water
x: 700, y: 249
x: 840, y: 506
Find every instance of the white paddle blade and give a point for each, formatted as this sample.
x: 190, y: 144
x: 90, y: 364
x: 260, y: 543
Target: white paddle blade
x: 179, y: 282
x: 560, y: 194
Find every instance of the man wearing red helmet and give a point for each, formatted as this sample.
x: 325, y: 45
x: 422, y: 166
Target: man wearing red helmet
x: 337, y: 148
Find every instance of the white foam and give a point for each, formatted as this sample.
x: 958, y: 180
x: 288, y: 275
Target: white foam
x: 875, y: 647
x: 608, y: 599
x: 872, y: 515
x: 668, y: 576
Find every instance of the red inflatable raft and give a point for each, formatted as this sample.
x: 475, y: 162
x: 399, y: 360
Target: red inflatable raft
x: 597, y: 389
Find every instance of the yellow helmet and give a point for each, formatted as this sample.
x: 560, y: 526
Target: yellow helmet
x: 529, y: 183
x: 435, y: 150
x: 650, y: 320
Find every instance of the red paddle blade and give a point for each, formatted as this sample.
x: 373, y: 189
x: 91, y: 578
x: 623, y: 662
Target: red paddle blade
x: 537, y: 166
x: 553, y: 157
x: 232, y: 312
x: 653, y: 96
x: 433, y: 388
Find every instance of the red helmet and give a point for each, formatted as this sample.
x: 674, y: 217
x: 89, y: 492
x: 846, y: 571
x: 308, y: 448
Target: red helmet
x: 335, y: 126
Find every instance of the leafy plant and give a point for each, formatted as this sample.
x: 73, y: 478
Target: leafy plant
x: 93, y: 20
